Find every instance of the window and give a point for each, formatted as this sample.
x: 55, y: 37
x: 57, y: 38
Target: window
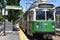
x: 50, y: 15
x: 40, y: 15
x: 44, y: 14
x: 31, y: 15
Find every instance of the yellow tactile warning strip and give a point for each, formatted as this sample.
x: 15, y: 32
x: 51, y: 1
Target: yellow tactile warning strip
x: 21, y: 34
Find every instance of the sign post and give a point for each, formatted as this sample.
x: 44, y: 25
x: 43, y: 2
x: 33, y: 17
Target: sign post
x: 4, y: 13
x: 4, y: 22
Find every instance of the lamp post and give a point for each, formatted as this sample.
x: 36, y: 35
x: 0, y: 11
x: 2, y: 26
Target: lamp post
x: 4, y: 23
x: 3, y: 12
x: 4, y: 17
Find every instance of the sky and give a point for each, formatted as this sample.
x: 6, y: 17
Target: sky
x: 25, y: 7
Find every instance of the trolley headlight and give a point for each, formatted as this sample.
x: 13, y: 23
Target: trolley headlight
x: 53, y: 26
x: 37, y: 26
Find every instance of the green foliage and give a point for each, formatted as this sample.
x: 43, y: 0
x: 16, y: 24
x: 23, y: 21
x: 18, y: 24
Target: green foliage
x: 21, y: 12
x: 13, y: 14
x: 3, y: 4
x: 14, y: 2
x: 1, y: 17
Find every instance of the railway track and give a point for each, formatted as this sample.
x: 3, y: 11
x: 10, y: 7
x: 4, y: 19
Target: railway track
x: 56, y: 37
x: 36, y: 38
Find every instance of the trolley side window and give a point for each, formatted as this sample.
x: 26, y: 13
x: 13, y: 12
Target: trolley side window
x: 30, y: 15
x: 40, y: 15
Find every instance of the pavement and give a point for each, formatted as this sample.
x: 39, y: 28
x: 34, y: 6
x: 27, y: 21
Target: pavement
x: 11, y: 36
x: 11, y: 32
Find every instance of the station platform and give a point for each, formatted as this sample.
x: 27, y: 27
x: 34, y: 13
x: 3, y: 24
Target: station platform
x: 10, y: 36
x: 14, y: 33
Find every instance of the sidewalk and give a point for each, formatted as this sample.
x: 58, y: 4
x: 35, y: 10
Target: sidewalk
x: 11, y: 33
x: 12, y: 36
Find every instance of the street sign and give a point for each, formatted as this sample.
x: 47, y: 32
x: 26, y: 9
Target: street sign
x: 6, y: 11
x: 14, y: 7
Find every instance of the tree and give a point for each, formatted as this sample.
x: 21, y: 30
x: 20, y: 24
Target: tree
x: 1, y: 17
x: 13, y: 14
x: 14, y: 2
x: 1, y: 6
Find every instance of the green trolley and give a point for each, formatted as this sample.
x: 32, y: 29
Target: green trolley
x: 39, y: 19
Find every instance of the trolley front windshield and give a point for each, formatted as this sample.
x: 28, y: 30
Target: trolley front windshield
x: 50, y: 15
x: 40, y: 15
x: 45, y: 14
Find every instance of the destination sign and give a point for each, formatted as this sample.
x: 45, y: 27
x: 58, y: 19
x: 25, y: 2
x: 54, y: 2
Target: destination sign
x: 45, y: 5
